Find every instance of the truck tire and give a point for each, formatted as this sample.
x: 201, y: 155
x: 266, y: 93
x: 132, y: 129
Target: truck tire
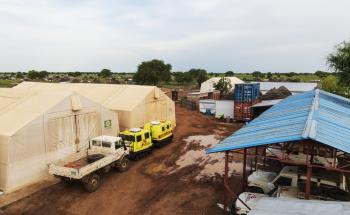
x: 66, y: 180
x: 92, y: 183
x: 94, y: 157
x: 123, y: 165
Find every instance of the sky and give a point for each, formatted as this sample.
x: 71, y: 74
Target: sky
x: 216, y: 35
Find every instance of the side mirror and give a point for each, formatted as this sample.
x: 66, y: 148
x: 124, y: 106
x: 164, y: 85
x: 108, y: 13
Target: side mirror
x: 123, y: 144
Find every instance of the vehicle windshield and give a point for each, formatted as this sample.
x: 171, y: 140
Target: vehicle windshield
x: 96, y: 143
x: 106, y: 144
x: 128, y: 138
x: 101, y: 143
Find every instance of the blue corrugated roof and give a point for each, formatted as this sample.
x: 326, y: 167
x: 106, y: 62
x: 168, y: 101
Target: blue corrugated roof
x: 316, y: 115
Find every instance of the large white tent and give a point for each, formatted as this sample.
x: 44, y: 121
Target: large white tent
x: 208, y: 85
x: 134, y: 104
x: 38, y: 127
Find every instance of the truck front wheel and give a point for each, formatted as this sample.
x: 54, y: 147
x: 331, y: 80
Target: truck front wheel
x: 92, y: 183
x: 124, y: 165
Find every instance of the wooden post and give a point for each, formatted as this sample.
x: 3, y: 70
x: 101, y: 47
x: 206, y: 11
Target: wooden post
x: 308, y: 181
x: 226, y: 183
x: 264, y: 154
x: 256, y: 157
x: 244, y: 170
x: 334, y: 158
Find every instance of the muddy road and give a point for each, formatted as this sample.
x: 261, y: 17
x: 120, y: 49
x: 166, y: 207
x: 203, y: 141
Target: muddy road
x: 153, y: 185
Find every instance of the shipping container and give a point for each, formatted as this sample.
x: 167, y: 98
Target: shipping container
x: 216, y: 95
x: 224, y: 108
x: 246, y: 92
x: 243, y: 110
x: 207, y: 106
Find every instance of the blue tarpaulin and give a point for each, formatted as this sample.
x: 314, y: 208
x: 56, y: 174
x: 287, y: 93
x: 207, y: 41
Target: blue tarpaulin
x: 315, y: 115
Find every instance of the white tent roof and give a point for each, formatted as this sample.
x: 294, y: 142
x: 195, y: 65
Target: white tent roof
x: 18, y: 107
x: 208, y: 85
x: 112, y: 96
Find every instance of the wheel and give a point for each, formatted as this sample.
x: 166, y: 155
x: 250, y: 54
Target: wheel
x: 92, y: 183
x: 124, y: 165
x: 94, y: 157
x: 255, y: 190
x: 66, y: 180
x: 106, y: 169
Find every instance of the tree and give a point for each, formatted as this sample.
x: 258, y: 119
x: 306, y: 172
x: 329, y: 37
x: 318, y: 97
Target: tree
x: 42, y: 74
x: 19, y: 75
x: 201, y: 78
x: 223, y: 85
x: 75, y: 74
x: 229, y: 74
x: 330, y: 84
x: 321, y: 74
x: 105, y: 73
x: 199, y: 75
x: 269, y: 75
x: 291, y: 74
x: 183, y: 77
x: 32, y: 74
x: 152, y: 72
x: 257, y: 74
x: 339, y: 60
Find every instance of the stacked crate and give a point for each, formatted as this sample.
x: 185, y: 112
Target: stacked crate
x: 245, y: 96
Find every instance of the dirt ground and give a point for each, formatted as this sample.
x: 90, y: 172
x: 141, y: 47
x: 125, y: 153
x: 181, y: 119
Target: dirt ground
x: 147, y: 187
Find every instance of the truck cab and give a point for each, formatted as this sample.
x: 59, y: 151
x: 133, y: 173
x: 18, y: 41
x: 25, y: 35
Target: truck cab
x: 106, y: 144
x: 138, y: 140
x: 161, y: 131
x: 103, y: 154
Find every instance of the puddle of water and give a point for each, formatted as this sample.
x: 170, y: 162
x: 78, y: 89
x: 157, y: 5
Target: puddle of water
x: 212, y: 164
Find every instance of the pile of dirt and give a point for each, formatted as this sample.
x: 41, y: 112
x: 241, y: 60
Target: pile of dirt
x: 279, y: 93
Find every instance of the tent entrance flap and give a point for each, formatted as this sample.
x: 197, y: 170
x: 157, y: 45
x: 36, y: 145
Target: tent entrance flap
x: 68, y: 134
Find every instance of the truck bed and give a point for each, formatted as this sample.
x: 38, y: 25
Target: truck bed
x: 78, y: 163
x: 79, y: 167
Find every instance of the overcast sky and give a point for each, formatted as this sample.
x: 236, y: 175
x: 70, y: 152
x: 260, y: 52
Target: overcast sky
x: 217, y: 35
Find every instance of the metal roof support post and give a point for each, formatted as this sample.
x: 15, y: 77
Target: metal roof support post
x: 308, y: 181
x: 264, y: 154
x: 251, y: 166
x: 244, y: 170
x: 226, y: 196
x: 256, y: 157
x: 334, y: 158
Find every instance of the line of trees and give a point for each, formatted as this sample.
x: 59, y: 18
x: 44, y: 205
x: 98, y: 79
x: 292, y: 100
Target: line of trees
x: 155, y: 72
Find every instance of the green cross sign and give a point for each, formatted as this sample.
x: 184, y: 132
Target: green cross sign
x: 108, y: 123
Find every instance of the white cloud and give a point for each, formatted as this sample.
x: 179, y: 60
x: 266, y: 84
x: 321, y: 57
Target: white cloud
x: 218, y: 35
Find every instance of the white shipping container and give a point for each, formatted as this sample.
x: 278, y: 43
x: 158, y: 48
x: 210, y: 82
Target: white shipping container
x: 207, y: 106
x: 224, y: 107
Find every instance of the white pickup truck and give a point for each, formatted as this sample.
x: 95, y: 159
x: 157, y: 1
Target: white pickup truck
x: 104, y: 153
x: 265, y: 182
x: 299, y: 157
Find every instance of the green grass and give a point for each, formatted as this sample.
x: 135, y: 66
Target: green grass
x: 8, y: 83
